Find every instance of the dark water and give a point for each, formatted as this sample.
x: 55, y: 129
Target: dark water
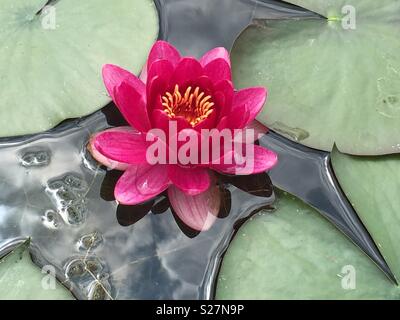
x: 53, y: 192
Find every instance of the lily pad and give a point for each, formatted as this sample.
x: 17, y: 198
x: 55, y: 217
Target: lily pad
x: 334, y: 8
x: 294, y: 253
x: 328, y: 83
x: 372, y: 186
x: 21, y: 279
x: 51, y: 56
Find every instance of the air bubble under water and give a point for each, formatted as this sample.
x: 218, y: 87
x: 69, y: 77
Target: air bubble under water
x: 35, y: 158
x: 68, y: 194
x: 90, y: 241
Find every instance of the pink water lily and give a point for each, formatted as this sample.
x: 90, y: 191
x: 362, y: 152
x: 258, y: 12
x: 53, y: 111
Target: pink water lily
x: 196, y: 95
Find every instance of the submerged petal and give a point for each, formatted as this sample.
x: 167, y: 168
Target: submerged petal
x: 199, y: 212
x: 140, y: 183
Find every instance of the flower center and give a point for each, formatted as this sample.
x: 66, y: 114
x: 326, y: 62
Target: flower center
x: 193, y: 105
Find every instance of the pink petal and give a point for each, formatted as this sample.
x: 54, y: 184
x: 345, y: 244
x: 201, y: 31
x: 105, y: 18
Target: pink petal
x: 259, y: 160
x: 225, y: 87
x: 245, y: 135
x: 109, y: 163
x: 161, y: 121
x: 252, y: 98
x: 132, y: 105
x: 190, y: 140
x: 186, y: 139
x: 163, y: 50
x: 191, y: 181
x: 258, y: 128
x: 237, y: 119
x: 218, y: 70
x: 121, y: 146
x: 113, y: 76
x: 199, y: 212
x: 207, y: 123
x: 162, y: 69
x: 186, y: 72
x: 216, y: 53
x: 219, y: 142
x: 143, y: 74
x: 205, y: 84
x: 156, y: 87
x: 220, y: 104
x: 140, y: 183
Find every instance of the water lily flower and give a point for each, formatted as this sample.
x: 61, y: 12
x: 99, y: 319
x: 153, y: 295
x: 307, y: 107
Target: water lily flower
x: 196, y: 95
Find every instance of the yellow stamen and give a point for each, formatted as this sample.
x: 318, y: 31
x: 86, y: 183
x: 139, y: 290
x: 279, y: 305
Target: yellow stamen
x: 194, y: 106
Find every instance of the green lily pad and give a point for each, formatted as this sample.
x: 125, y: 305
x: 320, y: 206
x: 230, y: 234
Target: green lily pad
x: 51, y: 58
x: 372, y: 185
x: 328, y: 83
x: 294, y: 253
x: 334, y: 8
x: 21, y: 279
